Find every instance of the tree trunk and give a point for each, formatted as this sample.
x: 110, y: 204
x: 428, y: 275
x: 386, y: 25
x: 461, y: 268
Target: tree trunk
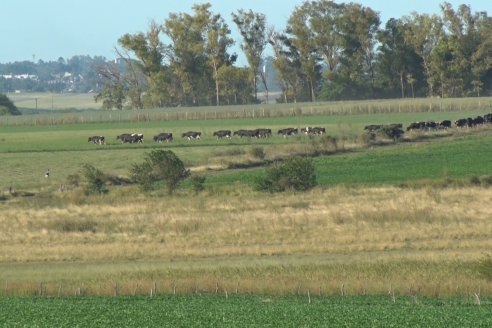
x: 401, y: 85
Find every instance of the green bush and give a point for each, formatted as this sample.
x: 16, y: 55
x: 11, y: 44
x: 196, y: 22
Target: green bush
x: 295, y: 174
x: 197, y: 182
x: 160, y: 166
x: 95, y: 180
x: 257, y: 152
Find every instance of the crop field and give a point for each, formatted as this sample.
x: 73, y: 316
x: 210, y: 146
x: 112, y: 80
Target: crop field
x: 245, y: 311
x: 404, y: 222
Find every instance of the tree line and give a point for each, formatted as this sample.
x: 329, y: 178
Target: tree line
x: 74, y: 74
x: 328, y: 51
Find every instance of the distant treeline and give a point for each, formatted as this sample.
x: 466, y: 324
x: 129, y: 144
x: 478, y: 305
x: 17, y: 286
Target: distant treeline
x: 76, y: 74
x: 328, y: 51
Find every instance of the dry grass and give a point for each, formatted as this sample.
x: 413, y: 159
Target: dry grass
x: 323, y: 238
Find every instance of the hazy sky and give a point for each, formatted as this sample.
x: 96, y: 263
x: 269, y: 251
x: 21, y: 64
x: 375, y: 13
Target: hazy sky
x: 49, y: 29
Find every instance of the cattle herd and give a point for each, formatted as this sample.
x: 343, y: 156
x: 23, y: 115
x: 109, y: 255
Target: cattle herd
x: 436, y: 125
x: 191, y: 135
x: 287, y: 132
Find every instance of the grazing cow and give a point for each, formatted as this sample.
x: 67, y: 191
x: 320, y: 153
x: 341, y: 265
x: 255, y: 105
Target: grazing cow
x: 462, y: 122
x: 223, y: 134
x: 373, y: 127
x: 136, y: 138
x: 191, y: 135
x: 124, y: 137
x: 288, y: 132
x: 317, y: 130
x: 246, y: 133
x: 263, y: 133
x: 130, y: 138
x: 416, y: 126
x: 97, y: 140
x: 487, y: 118
x: 167, y: 137
x: 446, y: 124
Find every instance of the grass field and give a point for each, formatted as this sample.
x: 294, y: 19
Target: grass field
x: 245, y: 311
x: 406, y: 219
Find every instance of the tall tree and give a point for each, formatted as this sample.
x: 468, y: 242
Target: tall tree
x: 218, y: 40
x: 301, y: 39
x: 397, y: 63
x: 252, y: 27
x: 423, y: 33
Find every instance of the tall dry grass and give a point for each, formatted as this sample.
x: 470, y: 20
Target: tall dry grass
x: 423, y: 240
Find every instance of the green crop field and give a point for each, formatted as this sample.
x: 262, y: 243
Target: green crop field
x: 245, y: 311
x: 403, y: 219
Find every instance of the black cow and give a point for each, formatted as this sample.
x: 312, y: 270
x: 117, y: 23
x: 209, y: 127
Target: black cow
x: 373, y: 127
x: 246, y: 133
x: 191, y: 135
x: 446, y: 124
x: 462, y: 122
x: 124, y: 137
x: 317, y: 130
x: 487, y: 118
x: 97, y: 140
x: 263, y: 133
x: 130, y: 138
x: 167, y: 137
x: 223, y: 134
x: 288, y: 132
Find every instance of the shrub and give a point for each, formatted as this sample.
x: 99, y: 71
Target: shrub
x: 257, y: 152
x: 160, y: 166
x: 295, y: 174
x: 197, y: 182
x: 94, y: 180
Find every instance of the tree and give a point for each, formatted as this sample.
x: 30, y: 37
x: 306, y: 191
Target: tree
x: 159, y: 166
x: 301, y: 40
x: 252, y: 27
x: 423, y: 33
x: 216, y: 43
x: 7, y: 107
x: 397, y: 63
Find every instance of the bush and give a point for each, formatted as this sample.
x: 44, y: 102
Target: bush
x: 295, y: 174
x: 94, y: 180
x: 160, y: 166
x: 257, y: 152
x: 197, y: 182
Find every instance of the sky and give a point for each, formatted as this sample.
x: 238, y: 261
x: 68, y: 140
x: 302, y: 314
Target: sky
x: 48, y: 29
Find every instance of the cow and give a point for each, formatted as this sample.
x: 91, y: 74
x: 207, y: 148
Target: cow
x: 461, y: 123
x: 124, y: 137
x: 263, y: 133
x: 167, y: 137
x: 446, y: 124
x: 487, y: 118
x: 246, y: 133
x: 223, y: 134
x: 136, y: 138
x: 317, y: 130
x: 372, y: 127
x: 191, y: 135
x: 130, y: 138
x: 97, y: 140
x: 288, y: 132
x: 416, y: 126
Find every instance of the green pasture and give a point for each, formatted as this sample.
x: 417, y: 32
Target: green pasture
x: 43, y: 101
x: 211, y: 310
x: 28, y: 151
